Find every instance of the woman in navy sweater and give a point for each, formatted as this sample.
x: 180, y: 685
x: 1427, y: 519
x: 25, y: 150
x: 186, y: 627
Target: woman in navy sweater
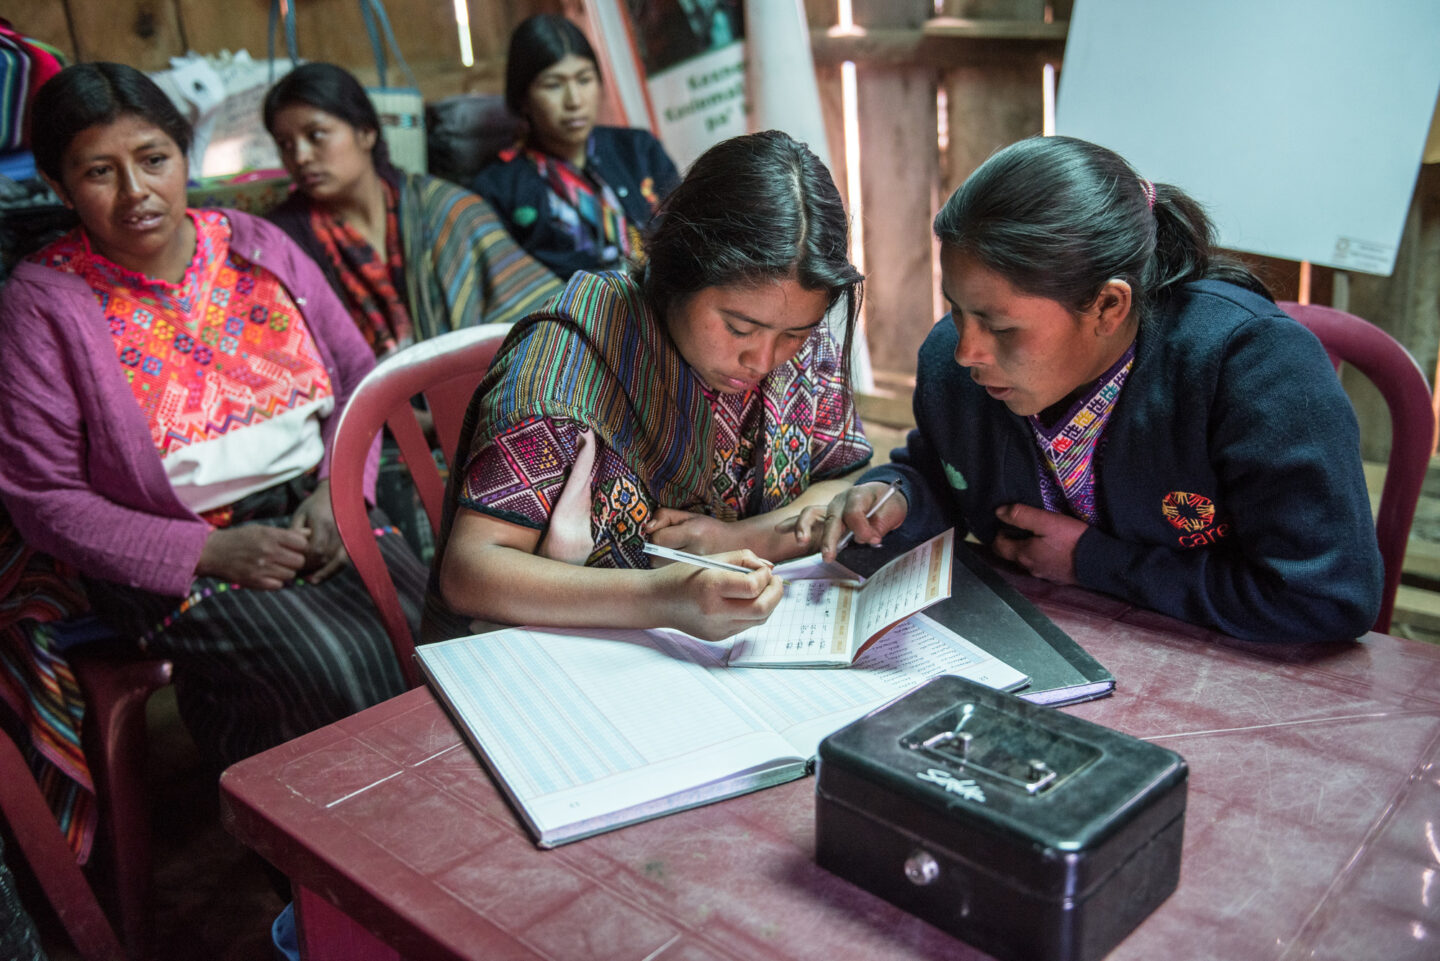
x: 1111, y: 404
x: 574, y: 195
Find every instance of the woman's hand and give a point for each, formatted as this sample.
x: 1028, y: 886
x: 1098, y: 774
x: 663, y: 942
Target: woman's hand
x: 568, y: 538
x: 253, y: 555
x: 1043, y: 542
x: 848, y: 510
x: 684, y: 531
x: 711, y: 604
x: 324, y: 552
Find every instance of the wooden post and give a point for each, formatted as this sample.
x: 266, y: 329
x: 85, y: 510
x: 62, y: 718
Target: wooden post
x: 995, y: 102
x: 1406, y: 304
x: 899, y: 170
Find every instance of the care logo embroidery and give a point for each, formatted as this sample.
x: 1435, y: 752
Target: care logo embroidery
x: 1188, y: 512
x: 1193, y: 515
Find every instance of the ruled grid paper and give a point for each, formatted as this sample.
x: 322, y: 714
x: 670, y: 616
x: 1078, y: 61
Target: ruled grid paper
x: 591, y: 729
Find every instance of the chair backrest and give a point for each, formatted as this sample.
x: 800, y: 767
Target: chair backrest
x: 1381, y: 358
x: 446, y: 370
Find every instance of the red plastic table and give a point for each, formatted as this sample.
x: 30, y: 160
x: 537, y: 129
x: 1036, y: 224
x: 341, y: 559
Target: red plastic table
x: 1313, y: 827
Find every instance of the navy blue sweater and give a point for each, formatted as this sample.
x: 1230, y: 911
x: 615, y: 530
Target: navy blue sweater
x: 624, y: 158
x: 1229, y: 485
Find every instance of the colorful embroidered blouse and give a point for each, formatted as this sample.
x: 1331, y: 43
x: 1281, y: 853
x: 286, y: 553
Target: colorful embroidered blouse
x: 764, y: 447
x: 1069, y: 449
x: 371, y: 285
x: 588, y: 208
x: 222, y: 364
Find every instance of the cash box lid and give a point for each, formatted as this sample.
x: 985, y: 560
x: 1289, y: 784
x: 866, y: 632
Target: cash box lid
x: 1052, y: 803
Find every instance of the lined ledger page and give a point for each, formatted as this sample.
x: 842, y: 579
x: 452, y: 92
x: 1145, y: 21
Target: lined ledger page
x: 594, y: 729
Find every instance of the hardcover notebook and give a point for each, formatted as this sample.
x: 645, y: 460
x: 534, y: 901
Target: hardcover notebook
x: 998, y: 618
x: 586, y: 731
x: 829, y: 621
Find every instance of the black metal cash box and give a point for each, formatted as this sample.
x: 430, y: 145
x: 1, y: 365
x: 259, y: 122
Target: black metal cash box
x: 1025, y: 832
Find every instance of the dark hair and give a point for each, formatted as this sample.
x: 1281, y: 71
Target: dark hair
x: 1058, y: 217
x: 85, y: 95
x: 334, y: 90
x: 751, y: 209
x: 537, y: 44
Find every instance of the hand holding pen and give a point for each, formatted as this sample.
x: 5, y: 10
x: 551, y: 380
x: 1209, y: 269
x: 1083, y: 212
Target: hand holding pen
x: 713, y: 608
x: 854, y: 510
x: 874, y: 509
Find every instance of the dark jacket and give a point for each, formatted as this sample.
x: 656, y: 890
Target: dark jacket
x: 631, y: 161
x: 1228, y: 483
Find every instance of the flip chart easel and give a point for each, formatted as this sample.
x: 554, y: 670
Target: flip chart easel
x: 1300, y: 124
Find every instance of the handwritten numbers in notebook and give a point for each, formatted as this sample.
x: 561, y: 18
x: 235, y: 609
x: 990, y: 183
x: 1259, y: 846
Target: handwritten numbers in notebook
x: 813, y: 617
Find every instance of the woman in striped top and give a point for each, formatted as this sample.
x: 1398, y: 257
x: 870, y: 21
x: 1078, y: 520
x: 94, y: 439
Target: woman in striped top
x: 699, y: 401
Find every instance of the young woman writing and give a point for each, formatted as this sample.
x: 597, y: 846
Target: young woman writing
x: 700, y: 402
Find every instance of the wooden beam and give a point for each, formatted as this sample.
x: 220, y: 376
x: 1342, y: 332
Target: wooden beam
x: 942, y: 43
x: 987, y: 29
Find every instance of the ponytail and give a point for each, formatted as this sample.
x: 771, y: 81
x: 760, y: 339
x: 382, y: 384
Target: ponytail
x: 1059, y: 217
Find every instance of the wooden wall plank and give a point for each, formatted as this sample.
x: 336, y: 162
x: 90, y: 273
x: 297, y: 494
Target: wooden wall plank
x: 898, y: 173
x: 1406, y: 305
x: 942, y: 45
x: 142, y: 33
x: 334, y: 31
x: 899, y: 170
x: 993, y: 103
x: 44, y: 20
x: 234, y: 25
x: 988, y: 108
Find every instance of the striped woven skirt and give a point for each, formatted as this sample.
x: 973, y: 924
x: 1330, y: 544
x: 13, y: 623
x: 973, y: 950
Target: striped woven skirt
x: 255, y: 668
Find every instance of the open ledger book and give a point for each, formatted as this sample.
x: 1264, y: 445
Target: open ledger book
x: 827, y: 621
x: 591, y: 730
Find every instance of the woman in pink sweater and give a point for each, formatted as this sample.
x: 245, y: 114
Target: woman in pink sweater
x: 175, y: 376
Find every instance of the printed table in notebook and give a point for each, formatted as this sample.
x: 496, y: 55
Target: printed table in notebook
x: 827, y: 622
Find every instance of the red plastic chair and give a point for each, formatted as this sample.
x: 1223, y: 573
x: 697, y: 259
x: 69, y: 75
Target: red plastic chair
x: 38, y: 838
x: 1380, y: 357
x: 116, y: 686
x: 446, y: 370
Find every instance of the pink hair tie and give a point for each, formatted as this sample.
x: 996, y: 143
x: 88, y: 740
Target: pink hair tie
x: 1148, y: 189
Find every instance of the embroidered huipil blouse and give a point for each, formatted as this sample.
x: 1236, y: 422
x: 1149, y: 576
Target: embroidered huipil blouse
x: 222, y: 364
x: 1068, y: 449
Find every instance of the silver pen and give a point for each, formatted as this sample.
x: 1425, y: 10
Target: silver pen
x: 850, y: 535
x: 685, y: 557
